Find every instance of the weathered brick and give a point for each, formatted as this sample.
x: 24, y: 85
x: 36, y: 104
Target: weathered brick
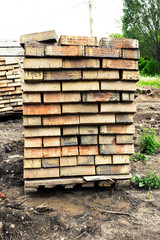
x: 124, y: 139
x: 41, y: 87
x: 124, y: 118
x: 51, y: 152
x: 120, y: 64
x: 60, y: 120
x: 61, y: 97
x: 118, y: 86
x: 118, y: 107
x: 33, y: 153
x: 112, y: 169
x: 88, y: 140
x: 42, y: 63
x: 131, y: 96
x: 125, y: 97
x: 131, y: 54
x: 80, y: 86
x: 50, y: 162
x: 69, y: 141
x: 77, y: 171
x: 85, y: 160
x: 130, y: 75
x: 100, y: 74
x: 31, y: 121
x: 97, y: 118
x: 116, y: 149
x: 88, y: 130
x: 78, y: 40
x: 88, y: 150
x: 102, y: 52
x: 119, y: 43
x: 33, y: 76
x: 33, y: 142
x: 107, y: 139
x: 70, y: 130
x: 57, y: 51
x: 32, y: 98
x: 42, y: 132
x: 117, y: 129
x: 41, y: 109
x: 34, y: 49
x: 79, y: 108
x: 62, y: 75
x: 32, y: 163
x: 41, y: 173
x: 70, y: 151
x: 100, y: 96
x: 51, y: 142
x: 102, y: 160
x: 81, y: 63
x: 68, y: 161
x: 120, y: 159
x: 6, y: 89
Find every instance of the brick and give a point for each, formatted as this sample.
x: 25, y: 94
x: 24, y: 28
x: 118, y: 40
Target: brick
x: 97, y: 119
x: 69, y: 141
x: 34, y: 49
x: 70, y: 151
x: 120, y: 64
x: 61, y: 97
x: 88, y: 150
x: 32, y: 153
x: 88, y: 140
x: 120, y: 159
x: 112, y: 169
x: 41, y: 87
x: 32, y: 98
x: 100, y: 97
x: 131, y: 54
x: 68, y: 161
x: 79, y: 108
x: 32, y: 121
x: 100, y: 74
x: 118, y: 86
x: 118, y: 107
x: 77, y: 171
x: 33, y: 142
x: 102, y: 52
x: 51, y: 152
x: 88, y: 130
x: 116, y: 149
x: 42, y: 63
x: 32, y: 163
x: 124, y: 118
x: 131, y: 97
x: 81, y: 63
x: 117, y: 129
x: 5, y: 89
x: 78, y: 40
x: 41, y: 109
x: 2, y: 73
x: 125, y: 97
x: 33, y: 76
x: 70, y: 130
x: 42, y: 132
x: 130, y: 75
x: 3, y: 85
x: 119, y: 43
x: 14, y: 84
x: 80, y: 86
x: 50, y: 162
x: 102, y: 160
x: 62, y: 75
x: 41, y: 173
x: 60, y: 120
x: 69, y: 51
x: 124, y: 139
x: 85, y: 160
x: 107, y: 139
x: 51, y: 142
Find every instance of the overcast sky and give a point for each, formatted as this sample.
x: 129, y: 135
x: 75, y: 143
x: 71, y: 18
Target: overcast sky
x: 66, y: 17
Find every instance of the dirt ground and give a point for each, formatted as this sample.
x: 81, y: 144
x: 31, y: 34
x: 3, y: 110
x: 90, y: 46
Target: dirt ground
x: 81, y: 213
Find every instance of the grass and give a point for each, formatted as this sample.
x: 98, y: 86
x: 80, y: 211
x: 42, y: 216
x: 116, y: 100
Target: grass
x: 149, y: 81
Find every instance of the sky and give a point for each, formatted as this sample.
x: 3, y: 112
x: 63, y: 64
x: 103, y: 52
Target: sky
x: 66, y: 17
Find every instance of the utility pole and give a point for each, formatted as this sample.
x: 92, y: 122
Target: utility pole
x: 90, y: 16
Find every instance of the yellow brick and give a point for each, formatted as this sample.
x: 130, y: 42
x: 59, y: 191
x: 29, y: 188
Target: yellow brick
x: 41, y: 87
x: 118, y: 107
x: 44, y: 132
x: 120, y: 159
x: 79, y: 108
x: 102, y: 160
x: 41, y: 173
x: 112, y: 169
x: 97, y: 119
x: 42, y: 63
x: 81, y: 63
x: 117, y: 129
x: 31, y: 121
x: 77, y: 171
x: 68, y: 161
x: 32, y: 163
x: 130, y: 75
x: 118, y: 86
x: 80, y: 86
x: 33, y: 75
x: 100, y: 74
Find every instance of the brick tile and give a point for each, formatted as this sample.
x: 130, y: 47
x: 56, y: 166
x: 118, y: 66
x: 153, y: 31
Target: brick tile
x: 51, y: 142
x: 131, y: 54
x: 68, y: 161
x: 41, y: 173
x: 32, y: 153
x: 85, y: 160
x: 88, y: 150
x: 107, y: 139
x: 33, y: 142
x: 70, y: 130
x: 34, y: 49
x: 60, y: 120
x: 61, y: 97
x: 41, y: 109
x: 100, y: 97
x: 62, y: 75
x: 70, y: 151
x: 51, y: 152
x: 50, y: 162
x: 77, y: 171
x: 78, y: 40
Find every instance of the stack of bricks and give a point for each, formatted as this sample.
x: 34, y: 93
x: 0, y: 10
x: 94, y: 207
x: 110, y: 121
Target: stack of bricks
x: 10, y: 86
x: 78, y: 108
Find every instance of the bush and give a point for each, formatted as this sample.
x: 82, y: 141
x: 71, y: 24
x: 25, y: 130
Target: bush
x: 151, y: 180
x: 138, y: 157
x: 149, y: 67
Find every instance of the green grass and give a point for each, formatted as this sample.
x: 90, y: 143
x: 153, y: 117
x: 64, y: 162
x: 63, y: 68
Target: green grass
x: 149, y: 81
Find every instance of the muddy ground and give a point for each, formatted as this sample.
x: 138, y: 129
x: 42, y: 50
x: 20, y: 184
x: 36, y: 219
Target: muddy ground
x: 80, y: 213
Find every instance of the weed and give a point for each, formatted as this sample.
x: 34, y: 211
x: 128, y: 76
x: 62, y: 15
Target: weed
x: 149, y: 81
x: 138, y: 157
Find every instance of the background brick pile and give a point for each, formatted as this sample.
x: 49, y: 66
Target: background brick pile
x: 78, y: 108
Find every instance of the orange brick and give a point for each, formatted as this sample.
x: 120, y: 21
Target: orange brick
x: 81, y: 63
x: 117, y: 129
x: 118, y: 107
x: 31, y: 98
x: 51, y: 142
x: 42, y: 63
x: 120, y: 64
x: 79, y: 108
x: 88, y: 150
x: 32, y: 153
x: 97, y: 119
x: 41, y: 109
x: 131, y: 54
x: 33, y: 75
x: 80, y: 86
x: 102, y: 52
x: 41, y: 173
x: 61, y: 97
x: 70, y: 151
x: 33, y: 142
x: 60, y: 120
x: 70, y: 51
x: 52, y: 152
x: 118, y: 86
x: 78, y: 40
x: 100, y: 96
x: 130, y: 75
x: 119, y: 43
x: 62, y: 75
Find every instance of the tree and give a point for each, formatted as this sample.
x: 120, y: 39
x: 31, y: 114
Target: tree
x: 141, y: 20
